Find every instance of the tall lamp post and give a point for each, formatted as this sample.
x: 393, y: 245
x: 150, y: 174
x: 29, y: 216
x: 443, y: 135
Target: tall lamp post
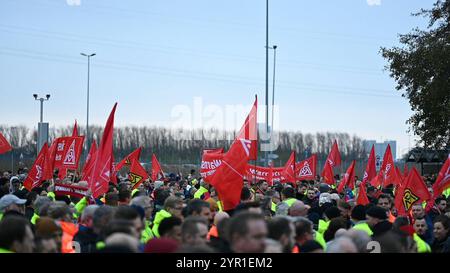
x: 42, y: 127
x: 267, y: 74
x: 274, y: 47
x: 87, y: 111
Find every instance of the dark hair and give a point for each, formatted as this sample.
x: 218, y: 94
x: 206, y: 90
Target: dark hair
x: 302, y: 226
x: 222, y: 228
x: 189, y: 226
x: 385, y: 196
x: 444, y: 220
x: 161, y: 196
x: 246, y: 206
x: 196, y: 205
x: 359, y: 213
x: 400, y: 221
x: 239, y: 223
x: 167, y: 224
x: 439, y: 199
x: 288, y: 192
x: 335, y: 225
x: 126, y: 213
x: 344, y: 205
x: 124, y: 194
x: 332, y: 212
x: 310, y: 246
x: 12, y: 228
x: 278, y: 226
x: 111, y: 198
x: 245, y: 194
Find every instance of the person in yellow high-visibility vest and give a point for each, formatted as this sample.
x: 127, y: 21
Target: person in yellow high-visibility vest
x: 172, y: 207
x: 204, y: 188
x: 146, y: 204
x: 358, y: 218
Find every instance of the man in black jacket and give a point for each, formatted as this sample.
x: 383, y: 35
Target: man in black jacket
x: 377, y: 220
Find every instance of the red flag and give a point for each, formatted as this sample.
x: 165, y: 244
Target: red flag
x: 405, y: 170
x: 102, y: 170
x: 90, y: 161
x: 129, y: 158
x: 443, y: 179
x: 387, y: 173
x: 4, y: 145
x: 333, y: 160
x: 228, y: 180
x: 68, y: 152
x: 75, y: 129
x: 399, y: 175
x: 211, y: 160
x: 137, y: 174
x: 156, y: 169
x: 290, y: 168
x: 328, y: 174
x: 362, y: 198
x: 349, y: 178
x: 335, y: 156
x: 249, y: 131
x: 40, y: 170
x: 371, y: 170
x: 306, y: 169
x: 414, y: 190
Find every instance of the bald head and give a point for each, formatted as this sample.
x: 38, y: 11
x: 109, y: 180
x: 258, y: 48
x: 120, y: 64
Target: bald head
x: 298, y: 209
x: 220, y: 216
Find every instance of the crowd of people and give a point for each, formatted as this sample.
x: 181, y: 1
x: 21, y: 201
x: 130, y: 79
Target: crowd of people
x: 182, y: 214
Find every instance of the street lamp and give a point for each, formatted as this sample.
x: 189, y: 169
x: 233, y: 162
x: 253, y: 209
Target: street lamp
x: 267, y: 73
x: 273, y: 86
x: 87, y: 114
x: 42, y: 127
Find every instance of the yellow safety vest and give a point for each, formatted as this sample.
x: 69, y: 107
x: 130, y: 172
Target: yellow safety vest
x: 422, y: 246
x: 290, y: 201
x: 198, y: 194
x: 364, y: 227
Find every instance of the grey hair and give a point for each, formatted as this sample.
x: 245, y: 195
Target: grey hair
x: 88, y: 212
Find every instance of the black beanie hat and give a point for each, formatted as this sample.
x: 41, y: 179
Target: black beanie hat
x: 377, y: 212
x: 359, y: 212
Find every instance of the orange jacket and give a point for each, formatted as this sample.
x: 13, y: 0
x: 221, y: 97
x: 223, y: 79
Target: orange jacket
x: 69, y: 231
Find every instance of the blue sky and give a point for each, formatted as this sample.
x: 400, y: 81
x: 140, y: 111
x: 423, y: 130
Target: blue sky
x: 153, y: 56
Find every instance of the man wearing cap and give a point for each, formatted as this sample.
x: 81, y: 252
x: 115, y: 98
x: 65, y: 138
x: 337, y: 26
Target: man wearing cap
x: 377, y: 220
x: 10, y: 202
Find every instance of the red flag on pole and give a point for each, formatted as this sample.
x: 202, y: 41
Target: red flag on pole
x: 290, y: 168
x: 211, y: 160
x: 90, y: 161
x: 335, y: 156
x: 137, y: 174
x: 228, y: 180
x: 327, y: 173
x: 68, y: 152
x: 307, y: 169
x: 362, y: 198
x: 4, y: 145
x: 412, y: 191
x: 75, y: 129
x: 128, y: 160
x: 370, y: 171
x: 387, y: 173
x: 157, y: 171
x: 250, y: 132
x: 102, y: 170
x: 405, y: 170
x: 40, y: 170
x: 443, y: 179
x: 349, y: 178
